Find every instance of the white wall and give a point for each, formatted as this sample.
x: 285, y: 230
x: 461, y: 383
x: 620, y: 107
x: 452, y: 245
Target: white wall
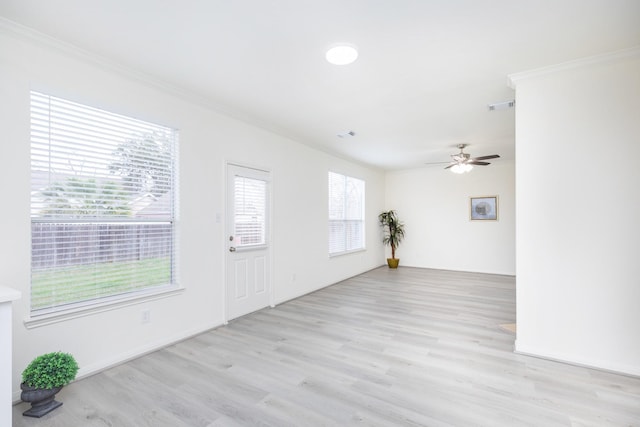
x: 207, y: 141
x: 434, y: 205
x: 578, y: 206
x: 7, y: 296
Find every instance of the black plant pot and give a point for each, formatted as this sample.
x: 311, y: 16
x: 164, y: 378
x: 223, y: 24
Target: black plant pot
x: 42, y: 400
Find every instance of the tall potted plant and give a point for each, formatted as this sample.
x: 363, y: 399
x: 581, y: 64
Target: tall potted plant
x: 393, y: 234
x: 43, y: 378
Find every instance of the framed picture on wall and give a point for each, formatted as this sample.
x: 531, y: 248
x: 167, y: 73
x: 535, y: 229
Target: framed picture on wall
x: 484, y: 208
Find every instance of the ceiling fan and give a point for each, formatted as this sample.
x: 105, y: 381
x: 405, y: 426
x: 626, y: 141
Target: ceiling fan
x: 463, y: 162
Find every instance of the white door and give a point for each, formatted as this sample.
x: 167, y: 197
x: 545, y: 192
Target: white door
x: 247, y: 240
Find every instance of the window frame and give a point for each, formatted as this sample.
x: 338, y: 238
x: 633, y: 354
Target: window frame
x: 348, y: 249
x: 241, y: 210
x: 133, y: 294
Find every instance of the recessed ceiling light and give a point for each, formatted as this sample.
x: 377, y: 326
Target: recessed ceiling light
x: 342, y: 54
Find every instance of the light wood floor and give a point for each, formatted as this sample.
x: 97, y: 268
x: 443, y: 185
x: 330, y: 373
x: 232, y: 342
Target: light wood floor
x: 412, y: 347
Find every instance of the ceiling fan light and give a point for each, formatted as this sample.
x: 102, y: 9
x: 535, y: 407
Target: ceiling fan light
x: 461, y: 168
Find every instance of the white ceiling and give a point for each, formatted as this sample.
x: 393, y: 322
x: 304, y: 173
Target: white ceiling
x: 427, y: 69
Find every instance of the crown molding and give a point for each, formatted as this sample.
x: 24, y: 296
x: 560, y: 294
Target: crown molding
x: 630, y: 53
x: 30, y: 35
x: 69, y: 50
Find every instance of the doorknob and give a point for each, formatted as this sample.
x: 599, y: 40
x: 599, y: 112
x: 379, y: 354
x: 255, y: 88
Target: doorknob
x: 232, y: 249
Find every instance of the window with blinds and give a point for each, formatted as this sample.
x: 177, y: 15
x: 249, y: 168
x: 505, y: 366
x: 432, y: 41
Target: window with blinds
x: 249, y: 211
x: 346, y: 213
x: 103, y: 192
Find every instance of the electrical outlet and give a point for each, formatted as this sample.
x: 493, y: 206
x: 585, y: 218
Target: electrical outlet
x: 146, y: 316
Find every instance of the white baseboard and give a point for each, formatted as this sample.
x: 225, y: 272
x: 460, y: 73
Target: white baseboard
x: 606, y: 366
x: 87, y: 371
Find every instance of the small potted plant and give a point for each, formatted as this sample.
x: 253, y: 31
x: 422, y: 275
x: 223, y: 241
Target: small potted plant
x: 43, y: 378
x: 393, y: 234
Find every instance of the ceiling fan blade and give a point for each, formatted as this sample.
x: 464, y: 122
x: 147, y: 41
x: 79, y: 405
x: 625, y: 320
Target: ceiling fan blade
x: 437, y: 163
x: 465, y: 159
x: 492, y: 156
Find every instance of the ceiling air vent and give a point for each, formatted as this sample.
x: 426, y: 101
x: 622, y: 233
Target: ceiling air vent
x: 502, y: 105
x: 346, y: 134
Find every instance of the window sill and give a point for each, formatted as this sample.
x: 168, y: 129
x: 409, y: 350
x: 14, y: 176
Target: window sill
x: 353, y: 251
x: 88, y: 310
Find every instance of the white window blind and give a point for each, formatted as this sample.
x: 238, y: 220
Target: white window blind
x: 346, y: 213
x: 103, y: 189
x: 250, y: 211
